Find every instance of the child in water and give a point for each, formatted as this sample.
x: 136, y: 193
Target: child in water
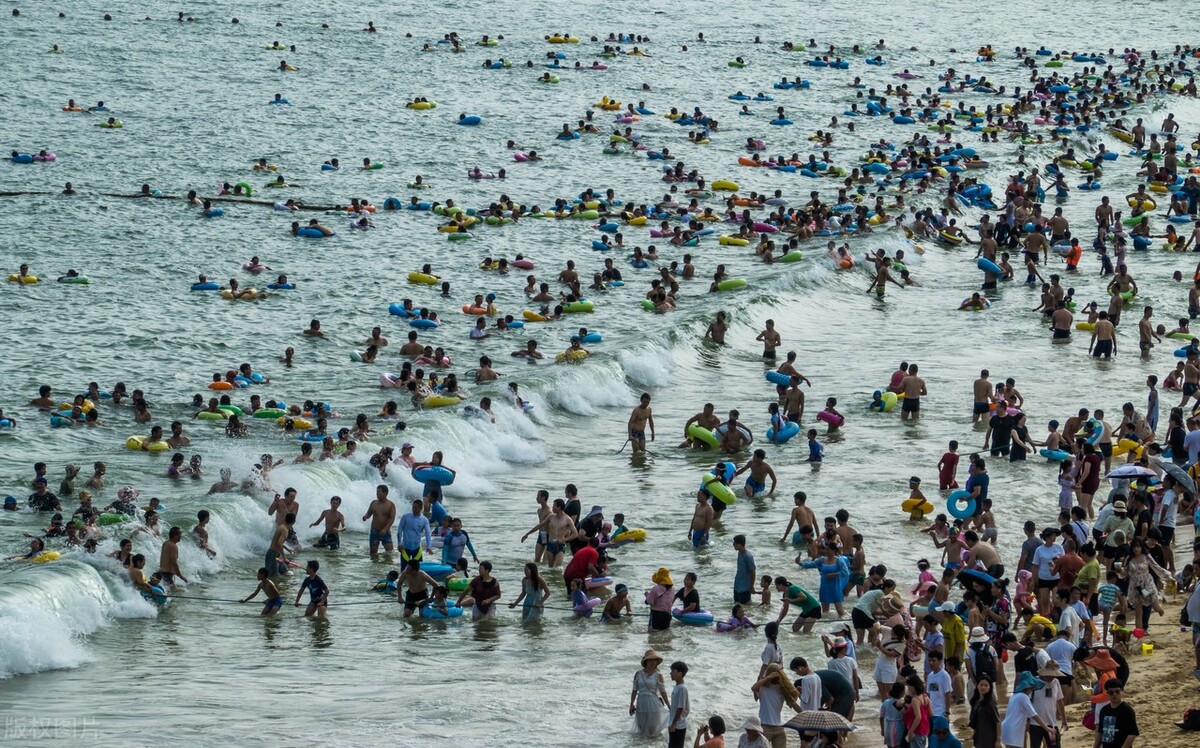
x: 389, y: 584
x: 737, y: 620
x: 765, y: 592
x: 816, y: 452
x: 580, y: 603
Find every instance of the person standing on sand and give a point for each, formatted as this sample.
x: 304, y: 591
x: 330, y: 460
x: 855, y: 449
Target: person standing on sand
x: 913, y: 388
x: 639, y: 419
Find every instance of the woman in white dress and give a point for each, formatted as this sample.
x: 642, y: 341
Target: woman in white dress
x: 648, y: 702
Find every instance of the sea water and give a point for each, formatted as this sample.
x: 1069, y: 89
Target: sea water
x: 82, y: 657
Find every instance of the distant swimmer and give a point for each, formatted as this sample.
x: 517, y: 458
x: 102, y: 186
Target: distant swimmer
x: 717, y: 329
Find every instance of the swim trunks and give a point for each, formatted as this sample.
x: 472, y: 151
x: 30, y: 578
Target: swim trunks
x: 980, y: 408
x: 542, y: 536
x: 413, y: 600
x: 408, y: 555
x: 274, y: 603
x: 754, y: 486
x: 1103, y: 349
x: 554, y: 548
x: 857, y: 578
x: 911, y: 404
x: 637, y: 435
x: 1061, y: 334
x: 1105, y: 448
x: 1189, y: 388
x: 794, y: 417
x: 330, y: 540
x: 381, y: 537
x: 699, y: 538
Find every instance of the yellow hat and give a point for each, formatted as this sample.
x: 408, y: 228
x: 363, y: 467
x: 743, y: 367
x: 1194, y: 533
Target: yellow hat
x: 663, y: 577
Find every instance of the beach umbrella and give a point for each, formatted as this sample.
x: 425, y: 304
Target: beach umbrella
x: 1129, y: 470
x: 819, y: 721
x: 1177, y: 473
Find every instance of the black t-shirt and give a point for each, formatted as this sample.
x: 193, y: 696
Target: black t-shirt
x: 1116, y: 723
x: 572, y: 510
x: 1175, y: 439
x: 1002, y: 427
x: 1026, y: 660
x: 687, y: 598
x: 835, y: 686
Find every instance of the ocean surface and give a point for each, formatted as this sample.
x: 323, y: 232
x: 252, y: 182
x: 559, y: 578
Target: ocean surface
x: 84, y: 657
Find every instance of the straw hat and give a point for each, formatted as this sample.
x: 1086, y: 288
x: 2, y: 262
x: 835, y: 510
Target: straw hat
x: 890, y: 606
x: 663, y: 577
x: 1050, y: 670
x: 1119, y: 506
x: 651, y: 655
x: 978, y: 635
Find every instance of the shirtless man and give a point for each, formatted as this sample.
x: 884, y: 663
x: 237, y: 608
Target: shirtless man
x: 569, y: 277
x: 639, y: 419
x: 543, y: 511
x: 283, y: 506
x: 882, y: 276
x: 759, y: 471
x: 382, y: 513
x: 376, y: 338
x: 200, y: 531
x: 1104, y: 213
x: 530, y: 351
x: 168, y: 559
x: 43, y: 401
x: 845, y: 531
x: 418, y: 583
x: 770, y: 340
x: 314, y: 329
x: 485, y: 372
x: 979, y: 552
x: 716, y: 331
x: 705, y: 419
x: 412, y: 347
x: 335, y: 523
x: 276, y: 560
x: 801, y: 518
x: 913, y: 388
x: 793, y: 400
x: 702, y: 519
x: 1104, y: 340
x: 1191, y: 378
x: 1061, y: 322
x: 1146, y: 334
x: 789, y: 367
x: 733, y: 440
x: 560, y: 530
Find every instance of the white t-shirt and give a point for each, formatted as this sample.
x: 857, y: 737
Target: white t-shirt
x: 1071, y: 621
x: 1043, y: 557
x: 810, y: 691
x: 679, y: 700
x: 1168, y: 503
x: 1016, y: 719
x: 1044, y: 701
x: 843, y: 665
x: 770, y: 706
x: 1061, y: 650
x: 772, y: 653
x: 939, y: 686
